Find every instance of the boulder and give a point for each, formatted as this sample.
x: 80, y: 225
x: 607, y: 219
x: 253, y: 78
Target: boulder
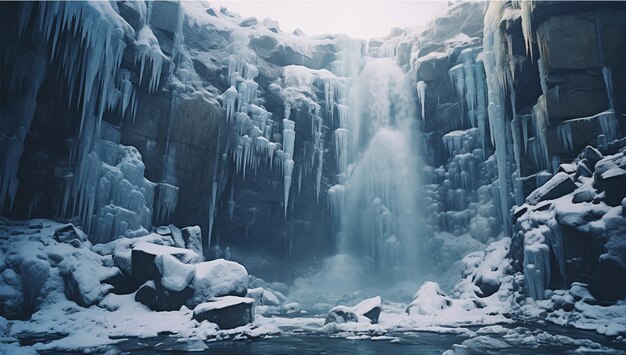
x: 249, y: 22
x: 608, y: 283
x: 583, y: 170
x: 217, y: 278
x: 85, y: 289
x: 584, y: 195
x: 132, y: 12
x: 227, y: 312
x: 263, y: 297
x: 592, y: 155
x: 614, y: 186
x: 370, y: 308
x: 366, y: 311
x: 177, y: 235
x: 559, y: 185
x: 122, y: 284
x: 147, y: 295
x: 143, y: 267
x: 343, y: 314
x: 68, y: 233
x: 164, y: 15
x: 192, y: 236
x: 429, y: 299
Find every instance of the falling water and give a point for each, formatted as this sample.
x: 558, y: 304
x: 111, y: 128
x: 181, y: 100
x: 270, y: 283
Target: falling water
x: 379, y: 222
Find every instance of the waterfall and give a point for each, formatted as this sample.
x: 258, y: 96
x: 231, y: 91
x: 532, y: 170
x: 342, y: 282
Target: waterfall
x: 379, y: 222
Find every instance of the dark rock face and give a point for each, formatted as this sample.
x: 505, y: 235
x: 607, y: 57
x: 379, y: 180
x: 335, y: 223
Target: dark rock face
x: 227, y: 312
x: 609, y: 281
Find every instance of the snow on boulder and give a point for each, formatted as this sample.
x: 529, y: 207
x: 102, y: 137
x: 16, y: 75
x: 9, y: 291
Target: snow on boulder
x: 173, y: 274
x: 366, y: 311
x: 218, y: 278
x: 227, y: 312
x: 429, y: 299
x: 263, y: 297
x: 83, y: 280
x: 370, y: 308
x: 68, y: 233
x: 559, y: 185
x: 143, y: 266
x: 493, y: 267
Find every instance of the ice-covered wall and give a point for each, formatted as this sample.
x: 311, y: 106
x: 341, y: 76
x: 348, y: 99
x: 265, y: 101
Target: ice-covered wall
x: 231, y: 119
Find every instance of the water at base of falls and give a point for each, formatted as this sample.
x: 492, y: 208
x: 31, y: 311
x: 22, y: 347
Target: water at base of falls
x: 380, y: 218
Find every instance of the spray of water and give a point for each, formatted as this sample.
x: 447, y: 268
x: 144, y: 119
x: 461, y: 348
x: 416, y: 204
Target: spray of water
x: 380, y: 219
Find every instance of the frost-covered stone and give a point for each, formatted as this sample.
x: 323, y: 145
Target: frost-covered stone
x: 173, y: 274
x: 561, y: 184
x: 218, y: 278
x: 429, y: 299
x: 227, y: 312
x: 68, y: 233
x: 366, y: 311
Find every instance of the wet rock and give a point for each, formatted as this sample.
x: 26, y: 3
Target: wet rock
x: 227, y: 312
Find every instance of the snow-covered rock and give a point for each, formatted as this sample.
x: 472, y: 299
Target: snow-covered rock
x: 227, y: 312
x: 366, y: 311
x: 217, y: 278
x: 144, y: 255
x: 429, y: 299
x: 561, y: 184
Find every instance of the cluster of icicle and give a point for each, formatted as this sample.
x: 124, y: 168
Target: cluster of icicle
x: 86, y: 41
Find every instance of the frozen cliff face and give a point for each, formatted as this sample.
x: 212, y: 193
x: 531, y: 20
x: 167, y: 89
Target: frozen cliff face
x: 199, y: 93
x: 573, y: 232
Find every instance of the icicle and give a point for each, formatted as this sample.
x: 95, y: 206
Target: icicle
x: 564, y: 133
x: 228, y: 102
x: 288, y: 170
x: 609, y: 125
x: 341, y: 149
x: 421, y: 95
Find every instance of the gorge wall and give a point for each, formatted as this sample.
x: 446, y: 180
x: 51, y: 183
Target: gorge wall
x: 120, y: 116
